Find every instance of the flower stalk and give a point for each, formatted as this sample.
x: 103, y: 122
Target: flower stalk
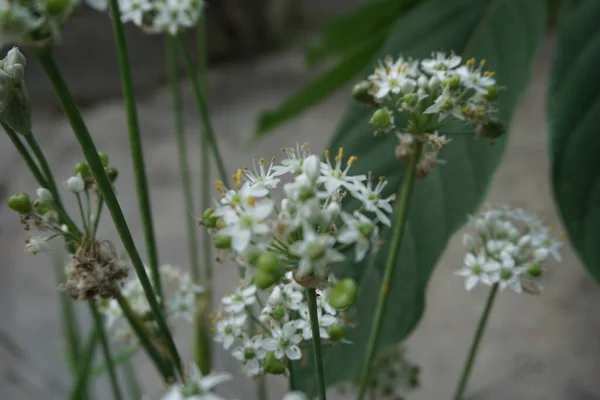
x: 314, y: 326
x: 399, y: 227
x: 106, y: 190
x: 135, y: 143
x: 466, y: 371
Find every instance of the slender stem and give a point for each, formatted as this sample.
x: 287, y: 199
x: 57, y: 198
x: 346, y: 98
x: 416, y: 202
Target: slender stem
x: 261, y: 388
x: 316, y: 334
x: 33, y: 167
x: 202, y: 108
x: 100, y: 204
x: 84, y: 367
x: 135, y: 391
x: 112, y: 374
x: 69, y: 319
x: 91, y: 154
x: 135, y: 144
x: 82, y: 214
x: 399, y: 224
x: 466, y: 372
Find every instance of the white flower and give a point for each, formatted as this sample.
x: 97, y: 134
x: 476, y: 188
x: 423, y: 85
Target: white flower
x: 251, y: 353
x: 440, y: 65
x: 303, y: 324
x: 284, y: 342
x: 228, y: 329
x: 373, y: 202
x: 477, y: 268
x: 474, y: 79
x: 333, y: 177
x: 197, y: 387
x: 394, y: 77
x: 508, y: 275
x: 238, y: 301
x: 248, y: 223
x: 183, y: 305
x: 262, y: 181
x: 134, y: 10
x: 445, y: 105
x: 75, y: 184
x: 360, y: 230
x: 295, y: 395
x: 37, y: 244
x: 44, y: 196
x: 315, y: 252
x: 293, y: 163
x: 175, y: 15
x: 311, y: 167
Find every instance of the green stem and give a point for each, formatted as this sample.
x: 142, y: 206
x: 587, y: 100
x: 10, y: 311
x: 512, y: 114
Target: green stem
x: 316, y: 334
x: 394, y: 250
x: 33, y: 167
x: 106, y: 190
x: 82, y: 214
x: 97, y: 216
x: 112, y: 374
x: 466, y: 372
x: 69, y: 319
x: 202, y: 108
x: 135, y: 144
x: 84, y: 368
x: 135, y: 391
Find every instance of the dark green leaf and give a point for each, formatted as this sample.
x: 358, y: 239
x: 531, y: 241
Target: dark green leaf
x: 574, y: 106
x: 506, y: 34
x: 319, y: 89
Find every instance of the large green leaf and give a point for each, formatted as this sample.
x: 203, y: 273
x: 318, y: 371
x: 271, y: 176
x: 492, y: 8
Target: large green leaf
x: 574, y: 107
x: 506, y: 34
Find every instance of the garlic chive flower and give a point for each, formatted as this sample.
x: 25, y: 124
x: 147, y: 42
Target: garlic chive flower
x: 510, y: 248
x: 15, y: 108
x: 197, y: 386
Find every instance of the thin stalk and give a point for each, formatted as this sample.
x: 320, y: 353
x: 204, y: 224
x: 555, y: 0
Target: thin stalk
x: 33, y: 167
x: 399, y: 224
x: 112, y: 374
x: 99, y: 206
x: 135, y: 145
x: 106, y: 190
x: 84, y: 367
x: 135, y: 391
x: 314, y: 326
x: 202, y: 108
x: 69, y: 319
x: 466, y: 371
x: 82, y: 214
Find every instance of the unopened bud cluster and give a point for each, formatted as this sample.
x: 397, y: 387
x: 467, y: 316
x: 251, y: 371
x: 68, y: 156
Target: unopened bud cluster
x: 285, y: 322
x: 180, y: 300
x: 15, y: 109
x: 510, y: 248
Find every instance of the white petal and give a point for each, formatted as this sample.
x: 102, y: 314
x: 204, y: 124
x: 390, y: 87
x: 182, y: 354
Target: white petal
x: 269, y: 344
x: 210, y: 381
x: 293, y: 353
x: 241, y: 240
x: 470, y: 282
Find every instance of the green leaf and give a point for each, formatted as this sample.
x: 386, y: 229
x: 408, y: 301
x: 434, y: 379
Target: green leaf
x: 318, y: 90
x: 506, y: 34
x: 373, y: 19
x: 121, y: 357
x: 574, y: 106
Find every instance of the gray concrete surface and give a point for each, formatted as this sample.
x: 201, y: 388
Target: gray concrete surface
x: 536, y: 348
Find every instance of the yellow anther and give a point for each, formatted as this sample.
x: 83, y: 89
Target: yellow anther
x: 327, y: 154
x: 393, y: 196
x: 481, y: 63
x: 304, y: 146
x: 251, y: 201
x: 340, y: 154
x: 219, y: 184
x: 221, y: 224
x: 352, y: 160
x: 261, y: 161
x: 272, y: 159
x: 489, y: 73
x: 382, y: 178
x: 470, y: 62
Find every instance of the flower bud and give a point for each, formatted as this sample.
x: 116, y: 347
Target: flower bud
x: 469, y: 242
x: 44, y: 196
x: 422, y: 82
x: 492, y: 93
x: 408, y: 85
x: 362, y: 93
x: 278, y: 313
x: 453, y: 83
x: 382, y: 119
x: 272, y: 365
x: 343, y: 295
x: 19, y: 202
x: 209, y: 220
x: 264, y: 280
x: 270, y: 263
x: 492, y: 129
x: 541, y: 254
x: 14, y: 56
x: 75, y: 184
x: 411, y: 99
x: 336, y: 332
x: 222, y: 242
x: 103, y: 158
x: 83, y: 169
x: 434, y: 83
x: 311, y: 166
x: 534, y: 270
x: 252, y: 256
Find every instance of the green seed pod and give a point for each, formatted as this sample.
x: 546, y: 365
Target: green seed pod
x: 273, y: 366
x: 83, y: 169
x: 382, y: 119
x: 222, y: 242
x: 453, y: 83
x: 278, y: 313
x: 270, y: 263
x: 343, y: 295
x: 208, y: 218
x: 264, y: 279
x: 361, y: 92
x: 103, y: 158
x: 534, y: 270
x: 20, y: 202
x: 411, y: 99
x: 336, y: 332
x: 492, y: 93
x: 253, y: 256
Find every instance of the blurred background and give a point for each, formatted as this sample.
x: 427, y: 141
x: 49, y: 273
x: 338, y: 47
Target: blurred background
x: 545, y: 347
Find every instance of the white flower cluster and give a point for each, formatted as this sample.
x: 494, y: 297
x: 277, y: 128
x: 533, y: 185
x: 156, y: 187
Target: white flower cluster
x: 159, y: 16
x: 308, y: 231
x: 33, y: 23
x: 197, y: 387
x: 180, y: 295
x: 283, y: 324
x: 509, y: 249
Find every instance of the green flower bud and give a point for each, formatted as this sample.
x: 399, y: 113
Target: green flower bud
x: 361, y: 92
x: 534, y: 270
x: 222, y: 242
x: 191, y: 389
x: 278, y: 313
x: 208, y: 218
x: 492, y: 129
x: 83, y: 169
x: 269, y: 263
x: 112, y: 173
x: 411, y: 99
x: 264, y: 279
x: 336, y: 332
x: 20, y: 202
x: 273, y: 366
x: 249, y: 354
x: 103, y: 158
x: 343, y: 295
x: 492, y: 93
x: 252, y: 256
x: 382, y: 119
x: 453, y: 83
